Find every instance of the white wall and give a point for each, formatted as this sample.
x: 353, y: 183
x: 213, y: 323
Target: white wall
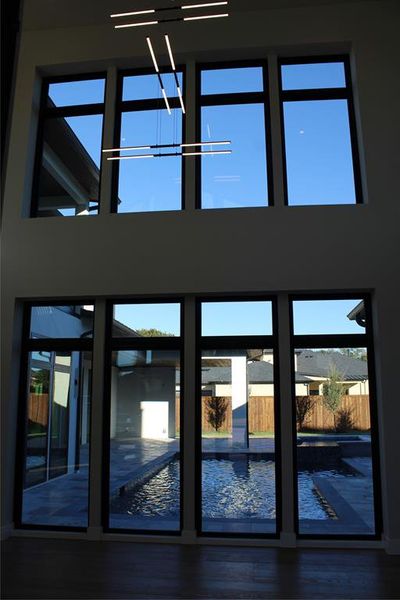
x: 314, y: 248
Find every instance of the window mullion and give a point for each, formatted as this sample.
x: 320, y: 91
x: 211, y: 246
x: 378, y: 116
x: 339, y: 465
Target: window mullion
x: 189, y: 134
x: 96, y: 425
x: 285, y: 386
x: 276, y: 133
x: 189, y: 421
x: 108, y: 140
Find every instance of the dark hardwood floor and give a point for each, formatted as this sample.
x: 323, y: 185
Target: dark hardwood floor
x: 38, y: 568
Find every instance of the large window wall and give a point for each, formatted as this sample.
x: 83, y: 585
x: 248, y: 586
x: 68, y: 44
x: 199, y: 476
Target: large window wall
x: 239, y: 479
x: 336, y: 422
x: 226, y: 129
x: 54, y: 443
x: 144, y: 366
x: 236, y: 452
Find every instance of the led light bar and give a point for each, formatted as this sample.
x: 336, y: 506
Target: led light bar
x: 153, y: 56
x: 157, y: 146
x: 205, y: 17
x: 171, y: 58
x: 137, y: 12
x: 135, y: 24
x: 183, y: 7
x: 166, y: 101
x: 199, y: 153
x: 126, y: 148
x: 190, y: 6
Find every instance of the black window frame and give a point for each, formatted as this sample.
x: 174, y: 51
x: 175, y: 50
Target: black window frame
x: 122, y: 106
x: 334, y: 93
x: 225, y: 99
x: 340, y: 340
x: 75, y: 110
x: 237, y: 342
x: 50, y: 345
x: 115, y: 343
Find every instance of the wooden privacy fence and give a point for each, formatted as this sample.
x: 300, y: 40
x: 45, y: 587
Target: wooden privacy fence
x: 38, y: 408
x: 261, y: 414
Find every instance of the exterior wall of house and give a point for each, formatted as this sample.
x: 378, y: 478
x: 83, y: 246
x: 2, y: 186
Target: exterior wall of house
x: 352, y: 247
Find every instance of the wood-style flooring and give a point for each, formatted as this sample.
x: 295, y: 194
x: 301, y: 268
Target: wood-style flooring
x: 38, y: 568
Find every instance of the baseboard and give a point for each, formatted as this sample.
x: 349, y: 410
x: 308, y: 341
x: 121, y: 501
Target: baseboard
x: 7, y: 531
x: 392, y: 546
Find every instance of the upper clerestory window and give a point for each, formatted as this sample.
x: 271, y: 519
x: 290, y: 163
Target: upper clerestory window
x: 234, y: 131
x: 67, y: 174
x: 149, y: 127
x: 321, y: 157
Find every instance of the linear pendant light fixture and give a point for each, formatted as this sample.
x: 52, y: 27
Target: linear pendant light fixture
x: 172, y: 61
x: 187, y: 149
x: 153, y: 56
x: 183, y: 7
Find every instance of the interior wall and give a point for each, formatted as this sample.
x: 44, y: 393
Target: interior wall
x: 333, y: 248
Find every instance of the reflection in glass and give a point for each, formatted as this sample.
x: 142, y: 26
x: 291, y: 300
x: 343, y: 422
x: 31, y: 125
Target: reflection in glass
x: 229, y: 81
x: 313, y: 76
x: 328, y: 316
x: 238, y: 441
x: 147, y: 320
x: 238, y: 179
x: 144, y: 440
x: 335, y: 474
x: 150, y: 184
x: 62, y: 321
x: 57, y: 439
x: 319, y: 159
x: 70, y: 167
x: 236, y: 318
x: 72, y: 93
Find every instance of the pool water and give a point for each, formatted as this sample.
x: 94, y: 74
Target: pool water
x: 243, y: 488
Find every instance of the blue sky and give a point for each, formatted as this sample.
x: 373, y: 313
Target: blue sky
x: 317, y: 140
x: 244, y: 318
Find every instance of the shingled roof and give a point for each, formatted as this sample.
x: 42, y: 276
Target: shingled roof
x: 258, y: 372
x: 319, y: 364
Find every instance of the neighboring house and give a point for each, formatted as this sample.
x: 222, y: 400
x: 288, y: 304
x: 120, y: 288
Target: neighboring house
x: 311, y: 370
x: 316, y: 367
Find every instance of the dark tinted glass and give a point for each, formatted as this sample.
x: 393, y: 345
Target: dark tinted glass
x: 150, y: 184
x: 144, y: 87
x: 236, y: 318
x: 319, y: 160
x: 313, y: 76
x: 146, y: 320
x: 72, y: 93
x: 145, y: 440
x: 70, y: 168
x: 62, y: 321
x: 56, y: 473
x: 238, y: 179
x: 228, y: 81
x: 334, y: 464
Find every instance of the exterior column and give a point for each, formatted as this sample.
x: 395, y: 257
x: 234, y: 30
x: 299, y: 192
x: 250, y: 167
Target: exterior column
x: 240, y: 426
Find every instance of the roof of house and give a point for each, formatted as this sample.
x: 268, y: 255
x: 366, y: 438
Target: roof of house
x: 319, y: 364
x: 258, y: 372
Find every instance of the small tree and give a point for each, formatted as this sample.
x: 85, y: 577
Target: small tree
x: 304, y: 405
x: 344, y: 420
x: 332, y: 391
x: 216, y: 411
